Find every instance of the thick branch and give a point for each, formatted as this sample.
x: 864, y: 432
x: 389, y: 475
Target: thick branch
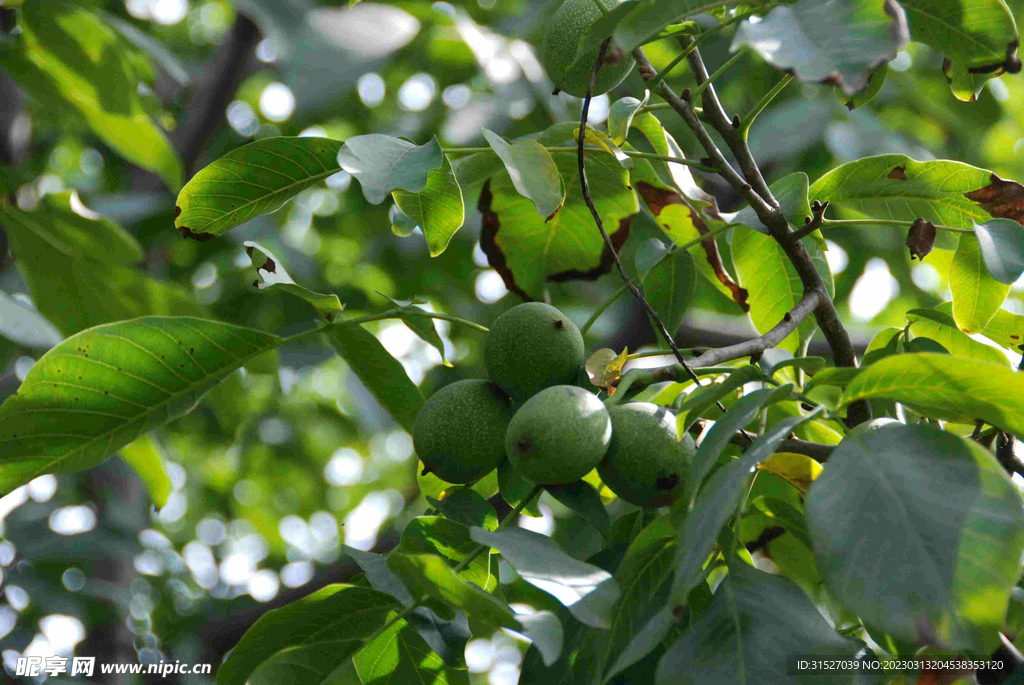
x: 748, y: 348
x: 216, y: 91
x: 764, y: 205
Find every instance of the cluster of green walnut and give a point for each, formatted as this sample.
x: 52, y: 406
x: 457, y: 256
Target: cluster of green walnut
x: 533, y: 412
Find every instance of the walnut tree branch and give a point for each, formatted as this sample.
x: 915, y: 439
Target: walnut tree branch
x: 748, y: 348
x: 755, y: 190
x: 811, y: 223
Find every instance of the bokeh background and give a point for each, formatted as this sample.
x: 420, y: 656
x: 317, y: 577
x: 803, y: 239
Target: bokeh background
x: 274, y: 471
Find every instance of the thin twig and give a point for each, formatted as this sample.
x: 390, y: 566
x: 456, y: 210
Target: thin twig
x: 585, y: 187
x: 812, y: 223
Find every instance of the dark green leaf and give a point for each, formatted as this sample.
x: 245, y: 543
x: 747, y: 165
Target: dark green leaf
x: 383, y: 163
x: 620, y: 117
x: 876, y: 79
x: 76, y: 265
x: 928, y: 548
x: 514, y: 488
x: 424, y: 327
x: 669, y: 287
x: 706, y: 396
x: 382, y: 374
x: 399, y: 655
x: 335, y: 618
x: 976, y: 36
x: 755, y: 624
x: 450, y: 540
x: 717, y: 502
x: 466, y: 506
x: 842, y: 40
x: 101, y: 389
x: 582, y: 498
x: 254, y: 179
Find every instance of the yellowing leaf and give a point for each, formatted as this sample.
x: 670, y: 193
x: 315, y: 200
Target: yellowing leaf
x: 798, y: 469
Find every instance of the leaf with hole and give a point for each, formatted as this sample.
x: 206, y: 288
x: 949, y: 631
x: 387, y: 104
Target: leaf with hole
x: 271, y: 276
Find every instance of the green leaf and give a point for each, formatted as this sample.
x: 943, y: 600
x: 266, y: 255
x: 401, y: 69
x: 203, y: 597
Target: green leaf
x: 466, y: 506
x: 383, y: 163
x: 382, y: 374
x: 643, y: 577
x: 634, y: 23
x: 705, y: 397
x: 313, y: 664
x: 1006, y: 329
x: 791, y: 192
x: 450, y: 540
x: 843, y: 40
x: 717, y: 503
x: 773, y: 285
x: 428, y: 575
x: 439, y: 209
x: 977, y: 38
x: 476, y: 168
x: 514, y: 488
x: 951, y: 338
x: 919, y: 567
x: 876, y: 79
x: 944, y: 387
x: 101, y: 389
x: 898, y: 187
x: 143, y: 456
x: 736, y: 418
x: 669, y: 287
x: 526, y: 249
x: 76, y: 266
x: 620, y: 116
x: 888, y: 341
x: 582, y: 498
x: 447, y: 638
x: 977, y: 296
x: 254, y: 179
x: 532, y: 172
x: 23, y: 325
x: 399, y: 655
x: 755, y: 621
x: 69, y: 55
x: 424, y: 327
x: 336, y: 618
x: 271, y: 275
x: 1002, y: 246
x: 587, y: 591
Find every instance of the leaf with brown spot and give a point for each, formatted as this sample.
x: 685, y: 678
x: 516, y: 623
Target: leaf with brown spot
x: 899, y: 173
x: 604, y: 368
x: 1001, y: 198
x: 270, y: 276
x: 527, y: 250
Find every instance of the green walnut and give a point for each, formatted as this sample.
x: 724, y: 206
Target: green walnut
x: 559, y: 435
x: 558, y: 50
x: 531, y: 347
x: 459, y: 433
x: 646, y: 463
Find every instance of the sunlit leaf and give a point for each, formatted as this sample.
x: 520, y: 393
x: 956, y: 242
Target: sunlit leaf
x: 143, y: 456
x: 101, y: 389
x: 271, y: 276
x: 438, y: 210
x: 254, y: 179
x: 977, y: 296
x: 383, y: 163
x: 532, y: 171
